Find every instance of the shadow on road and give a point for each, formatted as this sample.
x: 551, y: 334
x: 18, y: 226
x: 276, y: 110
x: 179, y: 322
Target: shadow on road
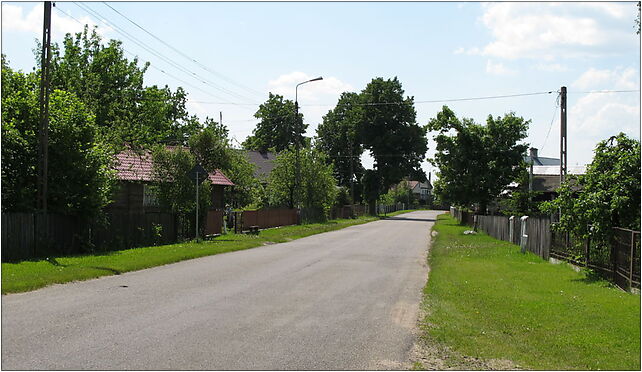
x: 410, y: 219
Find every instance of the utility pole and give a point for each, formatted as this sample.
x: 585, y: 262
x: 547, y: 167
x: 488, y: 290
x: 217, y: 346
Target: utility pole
x: 563, y: 142
x: 44, y: 111
x: 351, y: 174
x: 43, y: 130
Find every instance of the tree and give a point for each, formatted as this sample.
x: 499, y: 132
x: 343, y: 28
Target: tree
x: 20, y: 119
x: 607, y: 196
x: 79, y: 175
x: 111, y: 86
x: 476, y: 163
x: 317, y: 189
x: 175, y: 190
x: 211, y: 147
x: 389, y: 130
x: 338, y: 137
x: 519, y: 200
x: 276, y: 130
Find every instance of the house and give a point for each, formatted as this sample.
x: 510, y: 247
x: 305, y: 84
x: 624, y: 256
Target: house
x: 134, y: 172
x: 263, y: 163
x: 421, y: 190
x: 545, y: 174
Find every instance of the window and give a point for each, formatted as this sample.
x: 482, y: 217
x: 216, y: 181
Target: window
x: 150, y: 196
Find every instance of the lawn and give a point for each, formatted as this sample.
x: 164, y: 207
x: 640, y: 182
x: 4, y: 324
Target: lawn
x: 29, y: 275
x: 487, y: 300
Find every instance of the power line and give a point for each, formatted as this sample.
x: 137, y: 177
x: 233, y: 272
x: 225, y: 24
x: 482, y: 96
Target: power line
x: 557, y: 105
x: 186, y: 56
x: 605, y: 91
x: 141, y: 44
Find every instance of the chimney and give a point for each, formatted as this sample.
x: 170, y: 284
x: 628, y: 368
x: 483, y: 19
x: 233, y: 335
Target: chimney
x: 533, y: 153
x: 429, y: 174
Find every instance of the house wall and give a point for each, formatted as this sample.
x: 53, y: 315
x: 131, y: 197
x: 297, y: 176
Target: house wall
x: 218, y: 200
x: 129, y: 196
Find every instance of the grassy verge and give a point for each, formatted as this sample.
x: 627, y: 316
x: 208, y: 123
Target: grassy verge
x: 485, y: 299
x: 29, y: 275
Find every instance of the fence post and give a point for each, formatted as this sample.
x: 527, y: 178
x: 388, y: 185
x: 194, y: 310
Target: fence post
x: 587, y: 249
x: 631, y: 260
x: 524, y: 237
x: 511, y: 227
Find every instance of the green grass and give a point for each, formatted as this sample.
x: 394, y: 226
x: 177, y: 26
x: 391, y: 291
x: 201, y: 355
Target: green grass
x: 485, y: 299
x: 29, y: 275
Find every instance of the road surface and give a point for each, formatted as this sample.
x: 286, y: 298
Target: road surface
x: 346, y: 299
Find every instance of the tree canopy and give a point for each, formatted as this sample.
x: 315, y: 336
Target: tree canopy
x: 338, y: 137
x: 111, y: 86
x: 276, y: 130
x: 476, y: 162
x: 389, y: 130
x: 607, y: 196
x: 317, y: 186
x: 80, y: 179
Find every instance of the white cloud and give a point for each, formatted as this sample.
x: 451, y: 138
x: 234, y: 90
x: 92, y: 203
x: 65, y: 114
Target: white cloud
x: 499, y: 69
x: 618, y: 79
x: 313, y: 92
x: 459, y: 50
x: 551, y: 67
x: 547, y: 31
x: 14, y: 19
x: 326, y: 91
x: 595, y: 117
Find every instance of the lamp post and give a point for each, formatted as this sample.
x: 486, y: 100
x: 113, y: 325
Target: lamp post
x: 297, y: 128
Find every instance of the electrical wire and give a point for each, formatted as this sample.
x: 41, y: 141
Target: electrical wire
x: 141, y: 44
x: 557, y: 105
x: 604, y: 91
x: 205, y: 68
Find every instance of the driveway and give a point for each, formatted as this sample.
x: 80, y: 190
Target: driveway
x: 346, y: 299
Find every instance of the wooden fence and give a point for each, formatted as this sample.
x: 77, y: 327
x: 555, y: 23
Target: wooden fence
x: 31, y: 235
x: 617, y: 260
x: 538, y: 232
x: 265, y: 218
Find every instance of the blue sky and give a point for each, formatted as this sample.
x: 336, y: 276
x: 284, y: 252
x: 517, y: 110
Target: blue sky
x: 437, y: 50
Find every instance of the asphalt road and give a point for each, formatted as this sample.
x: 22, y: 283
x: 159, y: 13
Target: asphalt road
x: 346, y: 299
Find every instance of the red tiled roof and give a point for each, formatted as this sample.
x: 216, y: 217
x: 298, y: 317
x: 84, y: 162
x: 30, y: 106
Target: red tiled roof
x: 133, y: 166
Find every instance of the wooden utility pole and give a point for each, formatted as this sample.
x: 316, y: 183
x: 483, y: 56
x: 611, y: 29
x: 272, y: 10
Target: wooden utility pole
x: 563, y: 143
x: 43, y: 132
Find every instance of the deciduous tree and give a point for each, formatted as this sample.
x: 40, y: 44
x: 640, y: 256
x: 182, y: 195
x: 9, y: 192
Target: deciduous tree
x: 338, y: 137
x: 607, y: 196
x: 389, y: 130
x: 276, y: 130
x: 476, y: 162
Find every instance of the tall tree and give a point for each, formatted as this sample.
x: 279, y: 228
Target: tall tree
x: 607, y: 196
x: 211, y: 147
x: 111, y: 86
x: 476, y: 162
x: 276, y: 130
x: 317, y: 188
x: 80, y: 179
x: 389, y: 130
x: 338, y: 137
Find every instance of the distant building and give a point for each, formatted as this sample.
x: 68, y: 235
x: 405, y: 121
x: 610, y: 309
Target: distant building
x: 545, y: 174
x: 263, y: 163
x: 135, y: 173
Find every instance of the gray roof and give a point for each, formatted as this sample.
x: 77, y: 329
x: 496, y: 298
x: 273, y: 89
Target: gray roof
x: 540, y: 160
x: 263, y: 161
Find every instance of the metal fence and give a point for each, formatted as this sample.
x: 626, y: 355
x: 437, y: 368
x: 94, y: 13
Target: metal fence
x: 617, y: 260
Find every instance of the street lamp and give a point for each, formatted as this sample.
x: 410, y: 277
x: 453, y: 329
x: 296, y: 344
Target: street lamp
x: 297, y: 127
